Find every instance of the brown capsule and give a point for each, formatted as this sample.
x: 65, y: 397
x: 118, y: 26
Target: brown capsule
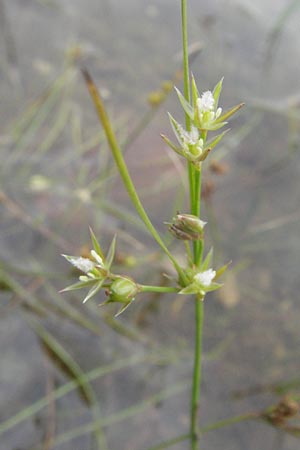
x: 283, y: 411
x: 184, y: 235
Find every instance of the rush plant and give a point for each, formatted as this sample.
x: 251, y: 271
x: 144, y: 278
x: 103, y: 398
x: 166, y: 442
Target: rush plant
x: 197, y: 277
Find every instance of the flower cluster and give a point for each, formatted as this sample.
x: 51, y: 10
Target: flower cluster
x: 98, y: 275
x: 205, y: 115
x: 203, y: 279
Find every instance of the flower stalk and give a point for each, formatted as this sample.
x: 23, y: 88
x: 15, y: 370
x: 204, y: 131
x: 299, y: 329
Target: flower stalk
x: 119, y: 160
x: 202, y: 116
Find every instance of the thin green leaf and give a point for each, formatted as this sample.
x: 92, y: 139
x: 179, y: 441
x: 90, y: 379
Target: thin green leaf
x: 93, y: 291
x: 217, y: 91
x: 170, y: 144
x: 122, y: 167
x: 213, y: 287
x: 195, y: 92
x: 191, y: 289
x: 185, y: 105
x: 176, y: 127
x: 122, y: 309
x: 111, y: 252
x: 216, y: 140
x: 207, y: 261
x: 215, y: 126
x: 96, y: 245
x: 229, y: 113
x: 222, y: 270
x: 79, y: 285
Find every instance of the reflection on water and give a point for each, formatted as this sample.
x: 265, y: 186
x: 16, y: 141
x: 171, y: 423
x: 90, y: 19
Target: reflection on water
x: 55, y: 181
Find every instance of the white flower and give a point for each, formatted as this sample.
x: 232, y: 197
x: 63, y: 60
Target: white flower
x: 206, y: 102
x: 206, y: 110
x: 191, y: 143
x: 193, y: 136
x: 205, y: 278
x: 83, y: 264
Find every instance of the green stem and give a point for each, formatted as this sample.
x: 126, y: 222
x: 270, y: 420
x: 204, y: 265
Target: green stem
x: 120, y: 162
x: 163, y: 289
x: 187, y: 90
x: 199, y: 314
x: 214, y: 426
x: 186, y: 72
x: 195, y: 192
x: 198, y: 245
x: 231, y: 421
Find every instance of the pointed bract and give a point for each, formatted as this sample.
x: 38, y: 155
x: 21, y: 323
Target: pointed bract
x: 171, y: 145
x: 177, y: 128
x: 111, y: 252
x: 96, y: 244
x: 229, y: 113
x: 122, y: 309
x: 222, y: 270
x: 216, y: 140
x: 213, y: 126
x: 208, y: 259
x: 185, y: 105
x: 79, y: 285
x: 93, y: 291
x: 217, y: 91
x: 195, y: 93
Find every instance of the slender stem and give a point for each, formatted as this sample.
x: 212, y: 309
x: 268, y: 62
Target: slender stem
x: 231, y: 421
x: 188, y: 251
x: 187, y: 90
x: 197, y: 245
x: 199, y: 314
x: 195, y: 191
x: 162, y: 289
x: 186, y: 73
x: 120, y: 162
x: 214, y: 426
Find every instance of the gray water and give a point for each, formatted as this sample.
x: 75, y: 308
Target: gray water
x: 51, y: 192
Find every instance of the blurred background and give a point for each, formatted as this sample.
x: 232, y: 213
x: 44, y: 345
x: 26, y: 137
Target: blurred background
x: 57, y: 178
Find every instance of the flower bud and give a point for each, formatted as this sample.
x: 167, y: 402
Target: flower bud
x: 187, y: 227
x: 189, y: 222
x: 123, y: 290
